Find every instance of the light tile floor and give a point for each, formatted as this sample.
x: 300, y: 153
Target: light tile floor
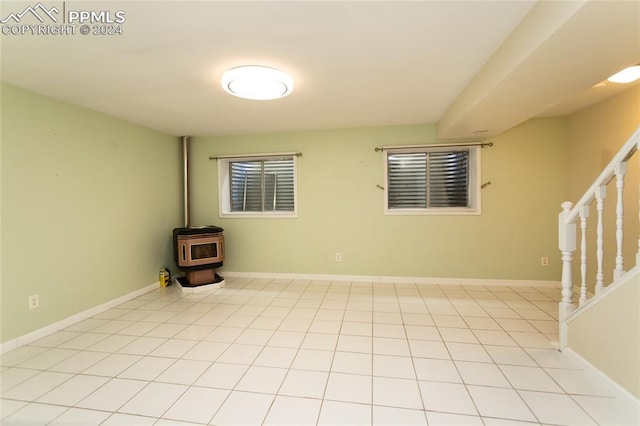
x: 279, y: 352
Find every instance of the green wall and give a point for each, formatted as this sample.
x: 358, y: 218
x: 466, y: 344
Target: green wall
x: 607, y: 333
x: 341, y: 209
x: 88, y: 204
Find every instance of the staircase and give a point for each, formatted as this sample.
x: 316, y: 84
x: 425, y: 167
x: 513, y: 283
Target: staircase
x: 599, y: 310
x: 612, y: 176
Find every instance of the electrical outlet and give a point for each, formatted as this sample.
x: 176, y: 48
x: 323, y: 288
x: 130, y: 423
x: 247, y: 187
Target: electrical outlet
x: 544, y: 261
x: 338, y: 257
x: 34, y: 301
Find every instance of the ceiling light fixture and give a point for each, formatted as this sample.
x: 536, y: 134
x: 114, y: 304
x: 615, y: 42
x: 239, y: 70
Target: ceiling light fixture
x: 257, y: 82
x: 627, y: 75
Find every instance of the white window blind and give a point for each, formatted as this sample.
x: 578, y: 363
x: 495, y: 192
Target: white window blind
x: 432, y: 180
x: 448, y: 184
x: 262, y: 185
x: 257, y: 185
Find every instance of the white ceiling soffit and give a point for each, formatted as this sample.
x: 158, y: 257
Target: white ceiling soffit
x: 558, y: 52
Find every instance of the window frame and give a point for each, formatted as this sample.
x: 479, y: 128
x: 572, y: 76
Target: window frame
x: 474, y: 183
x: 224, y: 187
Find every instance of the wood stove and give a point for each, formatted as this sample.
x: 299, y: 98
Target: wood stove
x: 197, y: 252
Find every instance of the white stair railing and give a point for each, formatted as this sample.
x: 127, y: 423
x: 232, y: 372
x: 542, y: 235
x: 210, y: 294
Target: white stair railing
x: 572, y: 214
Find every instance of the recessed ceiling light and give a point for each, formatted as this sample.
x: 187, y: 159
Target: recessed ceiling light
x: 627, y: 75
x: 257, y: 82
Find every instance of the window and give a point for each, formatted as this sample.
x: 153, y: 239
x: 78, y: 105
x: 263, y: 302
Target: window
x: 432, y: 181
x: 258, y: 186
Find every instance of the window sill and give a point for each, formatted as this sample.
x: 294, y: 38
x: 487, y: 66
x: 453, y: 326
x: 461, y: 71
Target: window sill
x: 433, y: 212
x: 258, y: 215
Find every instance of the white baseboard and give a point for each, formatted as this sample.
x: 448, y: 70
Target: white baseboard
x: 73, y: 319
x: 398, y: 280
x: 622, y: 392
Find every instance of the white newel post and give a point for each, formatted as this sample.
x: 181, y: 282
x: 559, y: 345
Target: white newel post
x: 567, y: 245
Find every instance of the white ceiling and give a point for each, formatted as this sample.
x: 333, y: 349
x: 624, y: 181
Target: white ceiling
x: 467, y: 65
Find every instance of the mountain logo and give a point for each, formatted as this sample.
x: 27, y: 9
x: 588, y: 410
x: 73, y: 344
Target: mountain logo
x: 39, y: 11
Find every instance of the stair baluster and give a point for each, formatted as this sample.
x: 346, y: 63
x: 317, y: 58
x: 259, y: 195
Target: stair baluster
x: 620, y: 171
x: 584, y: 215
x: 600, y: 194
